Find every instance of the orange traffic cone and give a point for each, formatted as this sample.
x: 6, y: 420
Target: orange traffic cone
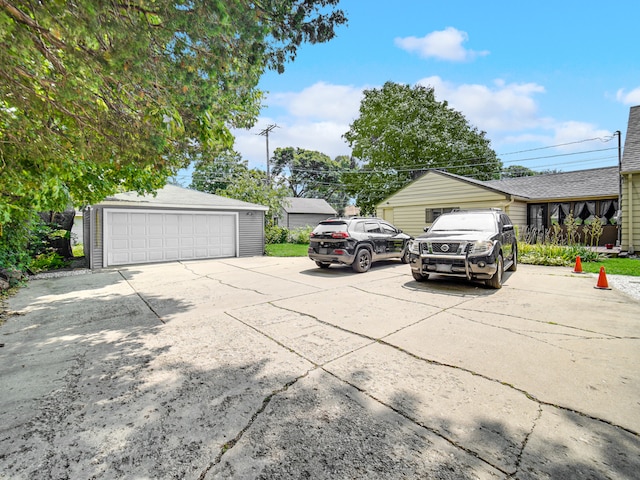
x: 602, y: 280
x: 578, y: 267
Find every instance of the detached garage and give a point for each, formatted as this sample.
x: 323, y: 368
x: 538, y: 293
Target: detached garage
x: 176, y: 224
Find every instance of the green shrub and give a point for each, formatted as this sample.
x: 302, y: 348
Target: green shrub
x: 299, y: 235
x: 48, y: 261
x: 550, y: 254
x: 275, y: 234
x: 78, y: 250
x: 15, y: 241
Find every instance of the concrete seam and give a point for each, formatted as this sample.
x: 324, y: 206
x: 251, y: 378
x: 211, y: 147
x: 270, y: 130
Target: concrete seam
x: 144, y: 300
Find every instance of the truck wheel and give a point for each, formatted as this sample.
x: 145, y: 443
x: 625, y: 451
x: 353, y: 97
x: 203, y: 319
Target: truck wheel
x: 322, y: 264
x: 419, y: 277
x: 362, y: 262
x: 496, y: 280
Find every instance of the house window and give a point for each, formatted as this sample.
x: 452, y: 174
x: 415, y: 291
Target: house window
x: 538, y: 216
x: 558, y: 212
x: 608, y: 210
x: 430, y: 214
x: 542, y: 216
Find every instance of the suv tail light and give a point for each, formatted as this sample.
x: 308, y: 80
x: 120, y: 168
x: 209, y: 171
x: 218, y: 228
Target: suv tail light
x: 339, y: 235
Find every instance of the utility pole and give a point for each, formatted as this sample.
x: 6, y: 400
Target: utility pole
x: 619, y: 224
x: 265, y: 133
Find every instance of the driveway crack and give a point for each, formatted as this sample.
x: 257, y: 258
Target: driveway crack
x: 525, y: 441
x: 265, y: 402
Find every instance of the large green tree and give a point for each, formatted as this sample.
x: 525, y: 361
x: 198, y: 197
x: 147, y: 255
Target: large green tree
x: 312, y: 174
x: 401, y: 132
x: 215, y: 176
x: 102, y: 95
x: 515, y: 171
x: 229, y: 176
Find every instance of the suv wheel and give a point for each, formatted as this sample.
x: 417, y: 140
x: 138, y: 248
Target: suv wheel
x: 322, y: 264
x: 514, y: 264
x: 362, y: 262
x: 405, y: 257
x: 419, y: 277
x: 496, y: 280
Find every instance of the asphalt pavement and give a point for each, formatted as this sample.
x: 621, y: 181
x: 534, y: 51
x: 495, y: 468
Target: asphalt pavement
x: 272, y: 368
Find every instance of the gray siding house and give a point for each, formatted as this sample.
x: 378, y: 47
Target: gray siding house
x: 175, y: 224
x: 304, y: 212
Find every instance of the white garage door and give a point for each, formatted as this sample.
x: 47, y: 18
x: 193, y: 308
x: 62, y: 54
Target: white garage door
x: 135, y: 236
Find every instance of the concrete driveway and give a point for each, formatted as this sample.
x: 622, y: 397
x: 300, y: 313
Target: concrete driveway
x: 272, y: 368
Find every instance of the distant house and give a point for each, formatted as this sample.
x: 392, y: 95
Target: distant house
x: 630, y: 170
x: 351, y: 211
x: 303, y: 212
x: 535, y: 202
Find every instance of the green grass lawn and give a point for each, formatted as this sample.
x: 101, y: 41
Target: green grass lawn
x: 286, y: 249
x: 614, y: 266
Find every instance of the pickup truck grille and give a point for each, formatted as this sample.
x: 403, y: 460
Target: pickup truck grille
x: 446, y: 248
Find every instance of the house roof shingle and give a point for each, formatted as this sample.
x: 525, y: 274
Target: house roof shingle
x: 596, y: 182
x: 172, y: 196
x: 308, y: 205
x: 631, y: 156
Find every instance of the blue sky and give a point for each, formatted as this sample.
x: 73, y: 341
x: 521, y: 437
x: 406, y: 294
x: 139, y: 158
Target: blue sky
x: 541, y: 78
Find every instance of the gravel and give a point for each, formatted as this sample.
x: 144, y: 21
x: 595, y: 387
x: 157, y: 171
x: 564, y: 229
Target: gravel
x: 627, y: 284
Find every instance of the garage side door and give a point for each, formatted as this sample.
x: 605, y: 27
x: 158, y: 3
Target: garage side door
x: 146, y: 237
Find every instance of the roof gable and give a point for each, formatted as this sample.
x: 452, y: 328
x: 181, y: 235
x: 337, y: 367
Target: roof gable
x: 177, y: 197
x: 631, y: 156
x: 307, y: 205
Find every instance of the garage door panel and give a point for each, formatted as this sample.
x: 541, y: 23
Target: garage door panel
x: 139, y: 257
x: 171, y: 242
x: 155, y: 256
x: 155, y: 242
x: 138, y: 243
x: 142, y: 237
x: 172, y: 254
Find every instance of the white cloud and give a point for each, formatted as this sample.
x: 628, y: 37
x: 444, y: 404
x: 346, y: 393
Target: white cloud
x: 571, y: 134
x: 321, y: 101
x: 314, y: 118
x: 444, y: 45
x: 498, y: 108
x: 631, y: 98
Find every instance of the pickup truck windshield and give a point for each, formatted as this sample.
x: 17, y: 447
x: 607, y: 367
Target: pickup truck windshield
x: 460, y: 222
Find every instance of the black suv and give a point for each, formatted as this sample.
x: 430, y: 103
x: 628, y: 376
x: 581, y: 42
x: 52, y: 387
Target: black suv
x: 357, y: 241
x: 476, y: 244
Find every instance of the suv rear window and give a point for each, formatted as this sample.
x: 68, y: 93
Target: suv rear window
x: 328, y: 227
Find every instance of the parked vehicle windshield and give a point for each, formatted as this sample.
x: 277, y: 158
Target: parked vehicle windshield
x: 461, y: 222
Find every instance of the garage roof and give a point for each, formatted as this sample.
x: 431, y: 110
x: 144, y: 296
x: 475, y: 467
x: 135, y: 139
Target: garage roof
x: 172, y: 196
x: 308, y: 205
